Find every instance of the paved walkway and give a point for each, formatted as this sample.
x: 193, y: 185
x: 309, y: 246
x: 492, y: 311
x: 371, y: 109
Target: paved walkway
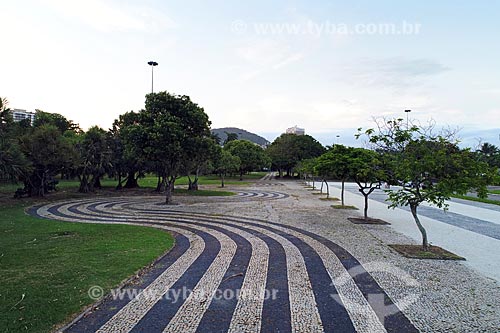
x: 275, y: 258
x: 470, y: 229
x: 288, y: 279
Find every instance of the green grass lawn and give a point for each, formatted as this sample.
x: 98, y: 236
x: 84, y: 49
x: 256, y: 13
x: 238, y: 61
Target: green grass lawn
x: 149, y: 181
x: 488, y: 201
x: 494, y: 191
x: 47, y: 267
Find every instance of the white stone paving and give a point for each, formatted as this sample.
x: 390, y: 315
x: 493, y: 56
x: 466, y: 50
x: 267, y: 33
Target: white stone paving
x: 125, y: 319
x: 482, y: 252
x: 248, y: 313
x: 453, y: 298
x: 191, y: 312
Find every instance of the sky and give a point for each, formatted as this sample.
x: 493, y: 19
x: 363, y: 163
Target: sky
x: 327, y: 66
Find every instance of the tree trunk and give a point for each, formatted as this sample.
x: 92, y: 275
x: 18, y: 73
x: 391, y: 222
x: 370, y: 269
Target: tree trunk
x: 119, y: 186
x: 97, y: 182
x: 169, y: 191
x: 327, y: 190
x: 158, y: 183
x: 41, y: 186
x: 314, y: 184
x: 160, y: 187
x: 241, y: 174
x: 366, y: 205
x: 83, y: 184
x: 342, y: 192
x: 193, y: 185
x: 131, y: 180
x: 222, y: 180
x: 425, y: 243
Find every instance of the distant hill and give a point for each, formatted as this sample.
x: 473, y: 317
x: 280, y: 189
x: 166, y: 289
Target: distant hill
x: 242, y: 135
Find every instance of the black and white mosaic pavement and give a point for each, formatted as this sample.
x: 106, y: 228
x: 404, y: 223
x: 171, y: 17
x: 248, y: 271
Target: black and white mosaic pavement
x: 235, y: 274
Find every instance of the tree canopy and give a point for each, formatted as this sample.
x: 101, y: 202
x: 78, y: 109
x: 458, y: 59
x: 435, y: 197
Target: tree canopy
x: 336, y: 164
x: 429, y: 168
x: 169, y: 132
x: 252, y: 157
x: 225, y: 163
x: 289, y: 149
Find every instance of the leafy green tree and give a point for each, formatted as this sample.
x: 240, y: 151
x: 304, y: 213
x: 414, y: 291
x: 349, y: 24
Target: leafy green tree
x: 199, y: 155
x: 307, y: 167
x: 173, y: 126
x: 13, y: 163
x: 55, y: 119
x: 95, y: 159
x: 49, y: 153
x: 126, y: 139
x: 289, y: 149
x: 216, y: 138
x: 252, y: 157
x: 226, y: 163
x: 282, y: 153
x: 230, y: 137
x: 429, y: 168
x: 367, y: 171
x: 336, y: 164
x: 490, y: 154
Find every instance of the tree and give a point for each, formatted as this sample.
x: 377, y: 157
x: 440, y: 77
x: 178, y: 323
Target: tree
x: 230, y: 137
x: 49, y: 153
x: 216, y: 138
x: 13, y: 163
x: 490, y: 154
x: 200, y: 153
x: 282, y: 154
x: 127, y: 138
x: 308, y: 167
x: 366, y: 170
x: 95, y: 159
x: 252, y: 156
x: 226, y: 163
x: 172, y: 127
x: 289, y: 149
x: 430, y: 168
x: 336, y: 164
x: 55, y: 119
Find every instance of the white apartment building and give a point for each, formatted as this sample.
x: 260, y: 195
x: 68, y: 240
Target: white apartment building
x: 19, y: 114
x: 295, y: 130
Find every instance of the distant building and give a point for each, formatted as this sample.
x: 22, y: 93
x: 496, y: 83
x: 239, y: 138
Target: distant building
x: 295, y: 130
x: 19, y: 114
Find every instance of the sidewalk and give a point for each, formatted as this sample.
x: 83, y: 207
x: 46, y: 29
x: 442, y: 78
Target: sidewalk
x: 481, y: 251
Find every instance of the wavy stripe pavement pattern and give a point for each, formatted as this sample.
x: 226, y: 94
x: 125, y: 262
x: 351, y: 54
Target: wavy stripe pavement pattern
x: 287, y: 279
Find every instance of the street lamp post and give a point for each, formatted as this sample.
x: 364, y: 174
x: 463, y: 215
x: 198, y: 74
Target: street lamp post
x: 152, y: 64
x: 407, y: 119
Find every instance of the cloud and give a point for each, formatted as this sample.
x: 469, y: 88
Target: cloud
x: 263, y: 52
x: 410, y: 68
x: 106, y: 16
x: 264, y: 55
x: 291, y: 59
x: 394, y: 72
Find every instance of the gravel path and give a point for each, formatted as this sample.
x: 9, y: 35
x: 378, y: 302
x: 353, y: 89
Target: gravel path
x: 278, y: 261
